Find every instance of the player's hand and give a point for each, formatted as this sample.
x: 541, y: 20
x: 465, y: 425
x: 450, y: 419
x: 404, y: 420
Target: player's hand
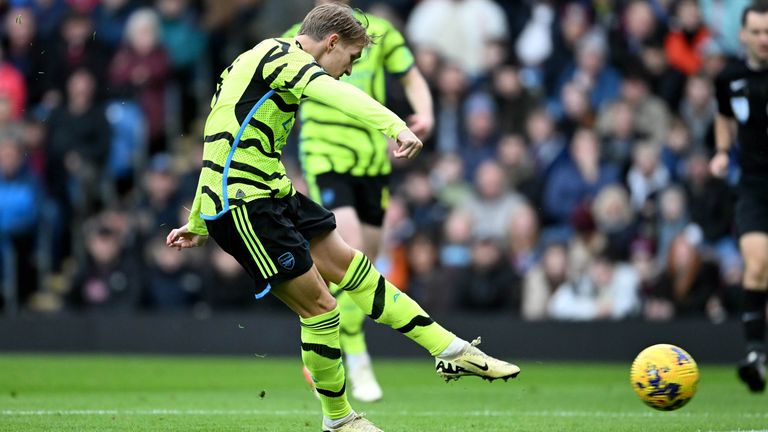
x: 421, y: 125
x: 181, y: 238
x: 718, y: 166
x: 408, y: 145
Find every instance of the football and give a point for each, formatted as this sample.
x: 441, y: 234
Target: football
x: 664, y: 377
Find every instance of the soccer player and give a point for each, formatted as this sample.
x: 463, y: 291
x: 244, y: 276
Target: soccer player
x: 285, y: 240
x: 742, y: 96
x: 347, y: 167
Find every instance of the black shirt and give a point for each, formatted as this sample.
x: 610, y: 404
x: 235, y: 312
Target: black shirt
x: 742, y: 94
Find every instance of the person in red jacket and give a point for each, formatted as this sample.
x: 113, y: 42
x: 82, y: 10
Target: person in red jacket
x: 685, y: 42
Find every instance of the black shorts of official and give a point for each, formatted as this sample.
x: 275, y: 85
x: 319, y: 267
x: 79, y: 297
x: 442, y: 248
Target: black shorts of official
x: 752, y: 206
x: 369, y: 196
x: 270, y: 237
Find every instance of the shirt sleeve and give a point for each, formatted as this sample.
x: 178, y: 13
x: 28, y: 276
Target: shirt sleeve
x: 723, y: 96
x: 195, y: 223
x: 290, y: 71
x: 398, y: 58
x: 355, y: 103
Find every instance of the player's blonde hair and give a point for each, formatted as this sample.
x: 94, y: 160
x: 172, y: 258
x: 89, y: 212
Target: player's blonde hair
x: 336, y: 18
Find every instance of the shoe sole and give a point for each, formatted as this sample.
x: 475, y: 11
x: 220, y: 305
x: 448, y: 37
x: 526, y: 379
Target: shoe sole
x: 752, y: 379
x: 449, y: 378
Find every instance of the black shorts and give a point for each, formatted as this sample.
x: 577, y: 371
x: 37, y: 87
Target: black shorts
x: 369, y: 196
x: 752, y: 206
x: 270, y: 237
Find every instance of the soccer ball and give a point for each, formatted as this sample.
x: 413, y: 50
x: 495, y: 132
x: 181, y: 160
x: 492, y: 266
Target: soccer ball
x: 664, y: 377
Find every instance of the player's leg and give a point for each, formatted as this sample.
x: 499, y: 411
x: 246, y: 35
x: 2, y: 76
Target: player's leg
x: 754, y: 249
x: 386, y: 304
x: 262, y: 237
x: 340, y: 194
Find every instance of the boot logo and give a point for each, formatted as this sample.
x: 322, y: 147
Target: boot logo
x: 448, y: 368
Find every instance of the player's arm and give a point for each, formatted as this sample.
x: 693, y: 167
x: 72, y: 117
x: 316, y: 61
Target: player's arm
x: 420, y: 98
x: 194, y: 233
x: 357, y: 104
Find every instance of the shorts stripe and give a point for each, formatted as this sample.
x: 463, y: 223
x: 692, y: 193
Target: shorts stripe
x: 259, y: 246
x: 248, y: 243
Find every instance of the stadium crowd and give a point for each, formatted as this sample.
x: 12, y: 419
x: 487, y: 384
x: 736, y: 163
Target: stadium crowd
x: 567, y: 177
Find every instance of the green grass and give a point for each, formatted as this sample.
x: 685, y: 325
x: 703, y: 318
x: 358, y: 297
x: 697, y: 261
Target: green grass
x: 129, y: 393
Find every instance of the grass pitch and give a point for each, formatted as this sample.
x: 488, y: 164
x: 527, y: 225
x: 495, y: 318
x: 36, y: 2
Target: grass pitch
x: 131, y: 393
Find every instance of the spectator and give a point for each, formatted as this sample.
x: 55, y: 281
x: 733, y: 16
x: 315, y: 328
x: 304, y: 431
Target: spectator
x: 108, y: 278
x: 618, y: 141
x: 426, y: 212
x: 513, y: 100
x: 19, y: 217
x: 426, y: 283
x: 110, y: 18
x: 572, y: 24
x: 227, y: 286
x: 672, y: 219
x: 515, y: 159
x: 615, y: 220
x: 698, y: 109
x: 185, y: 42
x: 170, y: 283
x: 451, y: 88
x: 22, y: 49
x: 523, y: 239
x: 590, y: 73
x: 457, y: 238
x: 548, y: 147
x: 535, y: 43
x: 577, y: 113
x: 140, y: 70
x: 637, y: 27
x: 160, y: 205
x: 687, y: 285
x: 676, y: 149
x: 494, y: 204
x: 481, y: 138
x: 451, y: 27
x: 542, y: 280
x: 448, y: 178
x: 73, y: 50
x: 12, y: 87
x: 647, y: 175
x: 609, y: 290
x: 651, y: 115
x: 685, y: 41
x: 578, y: 180
x: 78, y: 143
x: 489, y: 283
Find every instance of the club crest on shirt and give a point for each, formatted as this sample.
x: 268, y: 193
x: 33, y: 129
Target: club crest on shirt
x: 327, y: 196
x: 287, y: 260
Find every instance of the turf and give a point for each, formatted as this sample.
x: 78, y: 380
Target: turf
x: 129, y: 393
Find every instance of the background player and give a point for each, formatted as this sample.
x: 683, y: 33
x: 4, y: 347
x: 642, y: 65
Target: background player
x: 346, y: 165
x: 742, y: 95
x: 283, y: 239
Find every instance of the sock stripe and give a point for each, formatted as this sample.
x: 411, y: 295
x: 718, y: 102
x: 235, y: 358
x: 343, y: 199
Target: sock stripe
x: 360, y: 264
x: 418, y: 320
x: 360, y: 276
x: 326, y: 326
x: 334, y: 317
x: 331, y: 393
x: 322, y: 350
x: 379, y: 299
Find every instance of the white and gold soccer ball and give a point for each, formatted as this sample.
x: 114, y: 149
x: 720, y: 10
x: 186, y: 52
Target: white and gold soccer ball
x: 664, y: 377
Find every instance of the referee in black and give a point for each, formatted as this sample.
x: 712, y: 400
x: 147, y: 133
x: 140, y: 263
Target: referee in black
x: 742, y: 97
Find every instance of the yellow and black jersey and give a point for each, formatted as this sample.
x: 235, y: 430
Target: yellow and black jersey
x: 331, y: 141
x: 252, y: 112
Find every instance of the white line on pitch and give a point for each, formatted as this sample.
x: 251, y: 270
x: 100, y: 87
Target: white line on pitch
x: 253, y: 412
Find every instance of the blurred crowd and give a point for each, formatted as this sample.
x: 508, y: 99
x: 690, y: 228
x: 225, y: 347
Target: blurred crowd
x: 567, y: 176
